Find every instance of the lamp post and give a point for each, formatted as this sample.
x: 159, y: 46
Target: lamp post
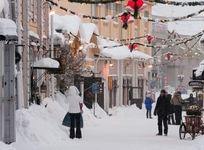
x: 52, y: 12
x: 52, y: 52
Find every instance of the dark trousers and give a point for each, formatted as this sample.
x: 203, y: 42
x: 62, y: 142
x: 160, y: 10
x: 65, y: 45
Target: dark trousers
x: 178, y: 114
x: 171, y: 119
x: 162, y: 119
x: 148, y: 113
x: 75, y: 118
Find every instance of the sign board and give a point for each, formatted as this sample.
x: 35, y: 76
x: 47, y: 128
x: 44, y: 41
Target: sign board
x: 165, y: 80
x: 159, y: 27
x: 196, y: 83
x: 110, y: 83
x: 95, y: 89
x: 61, y: 69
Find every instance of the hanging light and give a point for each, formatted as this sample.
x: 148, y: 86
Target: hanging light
x: 52, y: 12
x: 150, y: 66
x: 111, y: 64
x: 43, y: 87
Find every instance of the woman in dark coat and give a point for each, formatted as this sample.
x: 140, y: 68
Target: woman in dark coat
x: 171, y: 111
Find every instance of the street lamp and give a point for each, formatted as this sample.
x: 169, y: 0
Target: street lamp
x: 52, y: 12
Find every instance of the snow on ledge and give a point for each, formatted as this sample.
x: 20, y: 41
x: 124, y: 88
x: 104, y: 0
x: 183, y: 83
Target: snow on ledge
x: 7, y: 27
x: 89, y: 59
x: 200, y: 69
x: 33, y: 34
x: 46, y: 63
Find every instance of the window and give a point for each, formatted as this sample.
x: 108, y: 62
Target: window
x: 35, y: 11
x: 106, y: 9
x: 146, y: 15
x: 29, y: 10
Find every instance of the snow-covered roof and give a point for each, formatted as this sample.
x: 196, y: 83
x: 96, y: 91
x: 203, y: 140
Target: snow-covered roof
x: 89, y: 29
x: 4, y: 5
x: 46, y: 63
x: 181, y: 27
x: 70, y: 23
x: 121, y: 52
x: 7, y: 27
x: 1, y: 6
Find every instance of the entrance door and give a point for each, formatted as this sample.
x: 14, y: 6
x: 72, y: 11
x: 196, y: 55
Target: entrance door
x: 137, y: 96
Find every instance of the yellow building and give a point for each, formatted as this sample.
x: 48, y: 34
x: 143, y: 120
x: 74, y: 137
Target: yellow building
x: 126, y: 71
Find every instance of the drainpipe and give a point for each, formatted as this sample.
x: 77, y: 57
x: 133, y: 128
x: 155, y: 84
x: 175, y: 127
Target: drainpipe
x: 20, y: 90
x: 19, y: 65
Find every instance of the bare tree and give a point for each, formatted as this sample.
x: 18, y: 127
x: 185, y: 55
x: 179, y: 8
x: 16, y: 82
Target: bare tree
x: 74, y: 65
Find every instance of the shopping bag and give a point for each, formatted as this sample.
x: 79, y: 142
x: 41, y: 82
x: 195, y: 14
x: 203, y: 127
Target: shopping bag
x: 66, y: 121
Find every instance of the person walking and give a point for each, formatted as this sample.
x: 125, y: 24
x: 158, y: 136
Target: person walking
x: 162, y: 110
x: 75, y: 108
x: 177, y: 101
x: 191, y: 100
x: 171, y: 111
x: 148, y: 105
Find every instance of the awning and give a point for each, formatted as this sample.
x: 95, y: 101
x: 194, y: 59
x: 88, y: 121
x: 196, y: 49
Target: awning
x: 46, y: 63
x: 8, y: 30
x: 33, y: 34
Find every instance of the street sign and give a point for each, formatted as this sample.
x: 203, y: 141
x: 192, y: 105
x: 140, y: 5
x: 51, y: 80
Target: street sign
x: 196, y: 83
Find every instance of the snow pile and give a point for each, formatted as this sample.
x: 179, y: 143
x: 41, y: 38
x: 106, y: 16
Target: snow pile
x: 46, y: 63
x: 5, y: 147
x: 169, y: 89
x: 4, y: 6
x: 131, y: 111
x: 88, y: 116
x: 99, y: 112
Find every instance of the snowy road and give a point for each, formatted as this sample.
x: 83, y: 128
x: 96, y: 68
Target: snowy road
x: 39, y: 128
x: 130, y: 134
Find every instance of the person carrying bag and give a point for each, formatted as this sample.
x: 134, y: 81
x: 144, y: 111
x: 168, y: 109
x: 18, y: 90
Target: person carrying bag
x: 73, y: 118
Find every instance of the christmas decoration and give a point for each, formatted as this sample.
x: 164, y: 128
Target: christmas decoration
x: 126, y: 18
x: 193, y: 110
x: 149, y: 38
x: 94, y: 1
x: 134, y: 6
x: 119, y: 15
x: 133, y: 46
x: 168, y: 56
x: 180, y: 78
x: 147, y: 45
x: 179, y: 3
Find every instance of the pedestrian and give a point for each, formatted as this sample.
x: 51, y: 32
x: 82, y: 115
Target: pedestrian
x: 75, y: 108
x: 171, y: 111
x: 191, y: 100
x: 162, y: 110
x: 148, y: 105
x: 177, y: 101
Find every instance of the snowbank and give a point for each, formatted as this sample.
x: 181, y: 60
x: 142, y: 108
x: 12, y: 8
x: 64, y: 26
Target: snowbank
x: 5, y: 147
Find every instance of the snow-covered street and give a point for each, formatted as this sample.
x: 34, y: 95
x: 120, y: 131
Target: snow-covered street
x: 40, y: 128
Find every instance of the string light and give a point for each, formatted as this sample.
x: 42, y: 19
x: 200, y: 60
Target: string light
x: 119, y: 15
x: 141, y: 44
x: 201, y: 3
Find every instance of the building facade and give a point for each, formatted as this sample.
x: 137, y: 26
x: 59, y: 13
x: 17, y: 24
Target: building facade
x: 125, y: 73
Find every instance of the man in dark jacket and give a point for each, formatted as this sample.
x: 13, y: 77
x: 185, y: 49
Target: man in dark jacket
x: 162, y: 110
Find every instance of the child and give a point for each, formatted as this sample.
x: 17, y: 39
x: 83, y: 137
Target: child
x: 148, y: 105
